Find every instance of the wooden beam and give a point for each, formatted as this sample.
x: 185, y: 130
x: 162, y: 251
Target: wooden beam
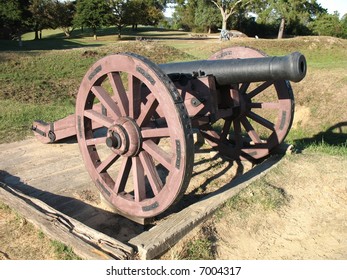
x: 85, y: 241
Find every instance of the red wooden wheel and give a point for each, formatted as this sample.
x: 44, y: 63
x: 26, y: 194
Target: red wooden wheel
x: 264, y: 115
x: 141, y: 159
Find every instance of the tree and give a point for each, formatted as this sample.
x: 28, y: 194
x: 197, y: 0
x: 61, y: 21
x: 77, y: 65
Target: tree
x: 228, y: 8
x: 62, y: 14
x: 92, y: 14
x: 154, y: 12
x: 344, y: 26
x: 287, y: 11
x: 184, y: 15
x: 206, y: 15
x: 13, y: 18
x: 330, y: 25
x: 120, y: 14
x: 39, y: 18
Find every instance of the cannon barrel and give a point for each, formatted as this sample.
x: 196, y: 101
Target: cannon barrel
x: 228, y: 71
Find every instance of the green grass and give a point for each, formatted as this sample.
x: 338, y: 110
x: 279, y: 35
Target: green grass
x: 63, y: 252
x: 56, y: 39
x: 198, y: 249
x: 259, y: 195
x: 16, y: 117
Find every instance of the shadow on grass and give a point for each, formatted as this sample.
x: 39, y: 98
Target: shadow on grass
x: 335, y: 136
x: 43, y: 44
x: 83, y: 38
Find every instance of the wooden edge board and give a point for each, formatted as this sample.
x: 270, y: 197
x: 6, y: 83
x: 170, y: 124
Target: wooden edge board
x: 86, y: 242
x: 163, y: 236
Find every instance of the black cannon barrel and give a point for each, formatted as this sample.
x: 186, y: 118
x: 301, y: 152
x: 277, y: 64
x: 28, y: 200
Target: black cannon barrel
x: 228, y: 71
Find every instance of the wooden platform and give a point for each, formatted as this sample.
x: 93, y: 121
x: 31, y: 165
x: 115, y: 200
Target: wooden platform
x: 52, y: 179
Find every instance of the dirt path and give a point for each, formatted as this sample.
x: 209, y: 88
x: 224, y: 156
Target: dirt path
x: 311, y: 225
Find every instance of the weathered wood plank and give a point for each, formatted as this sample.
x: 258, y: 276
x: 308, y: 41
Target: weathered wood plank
x: 86, y: 242
x: 169, y: 231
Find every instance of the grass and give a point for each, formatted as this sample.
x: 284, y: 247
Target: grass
x: 198, y: 249
x: 260, y: 195
x: 63, y: 252
x: 43, y: 84
x: 16, y: 117
x: 20, y: 240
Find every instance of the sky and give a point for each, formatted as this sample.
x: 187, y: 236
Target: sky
x: 334, y: 5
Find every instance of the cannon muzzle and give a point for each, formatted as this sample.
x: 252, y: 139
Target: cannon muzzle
x: 228, y: 71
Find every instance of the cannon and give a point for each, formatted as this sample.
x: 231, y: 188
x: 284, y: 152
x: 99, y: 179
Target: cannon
x: 135, y: 120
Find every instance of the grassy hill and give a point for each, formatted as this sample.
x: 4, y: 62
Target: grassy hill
x: 43, y: 84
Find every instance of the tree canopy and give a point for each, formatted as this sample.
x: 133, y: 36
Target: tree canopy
x: 253, y: 17
x: 92, y: 14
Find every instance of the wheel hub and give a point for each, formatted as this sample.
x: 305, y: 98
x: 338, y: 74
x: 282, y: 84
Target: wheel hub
x: 124, y: 137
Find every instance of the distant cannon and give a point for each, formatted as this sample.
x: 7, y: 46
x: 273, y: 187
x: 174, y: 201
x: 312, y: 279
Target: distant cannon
x: 135, y: 120
x: 224, y: 35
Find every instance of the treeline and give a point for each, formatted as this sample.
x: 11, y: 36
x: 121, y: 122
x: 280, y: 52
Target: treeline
x: 19, y: 16
x: 263, y: 18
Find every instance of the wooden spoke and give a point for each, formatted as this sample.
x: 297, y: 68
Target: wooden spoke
x: 98, y: 117
x: 259, y: 89
x: 96, y: 141
x: 250, y: 130
x: 226, y: 130
x: 237, y: 133
x: 139, y: 180
x: 148, y: 110
x: 106, y: 101
x: 261, y: 120
x: 122, y: 176
x: 158, y: 153
x: 151, y: 172
x: 244, y: 87
x: 265, y: 105
x: 119, y: 92
x: 107, y: 163
x: 134, y: 96
x: 155, y: 133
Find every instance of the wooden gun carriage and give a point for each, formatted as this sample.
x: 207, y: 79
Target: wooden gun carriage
x: 135, y: 120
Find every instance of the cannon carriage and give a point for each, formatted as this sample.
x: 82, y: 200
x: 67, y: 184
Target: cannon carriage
x: 135, y: 120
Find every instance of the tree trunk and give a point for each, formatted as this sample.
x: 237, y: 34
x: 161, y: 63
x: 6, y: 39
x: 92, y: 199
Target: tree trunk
x: 119, y: 32
x: 94, y: 31
x: 20, y: 42
x: 36, y: 34
x: 281, y: 29
x: 224, y: 22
